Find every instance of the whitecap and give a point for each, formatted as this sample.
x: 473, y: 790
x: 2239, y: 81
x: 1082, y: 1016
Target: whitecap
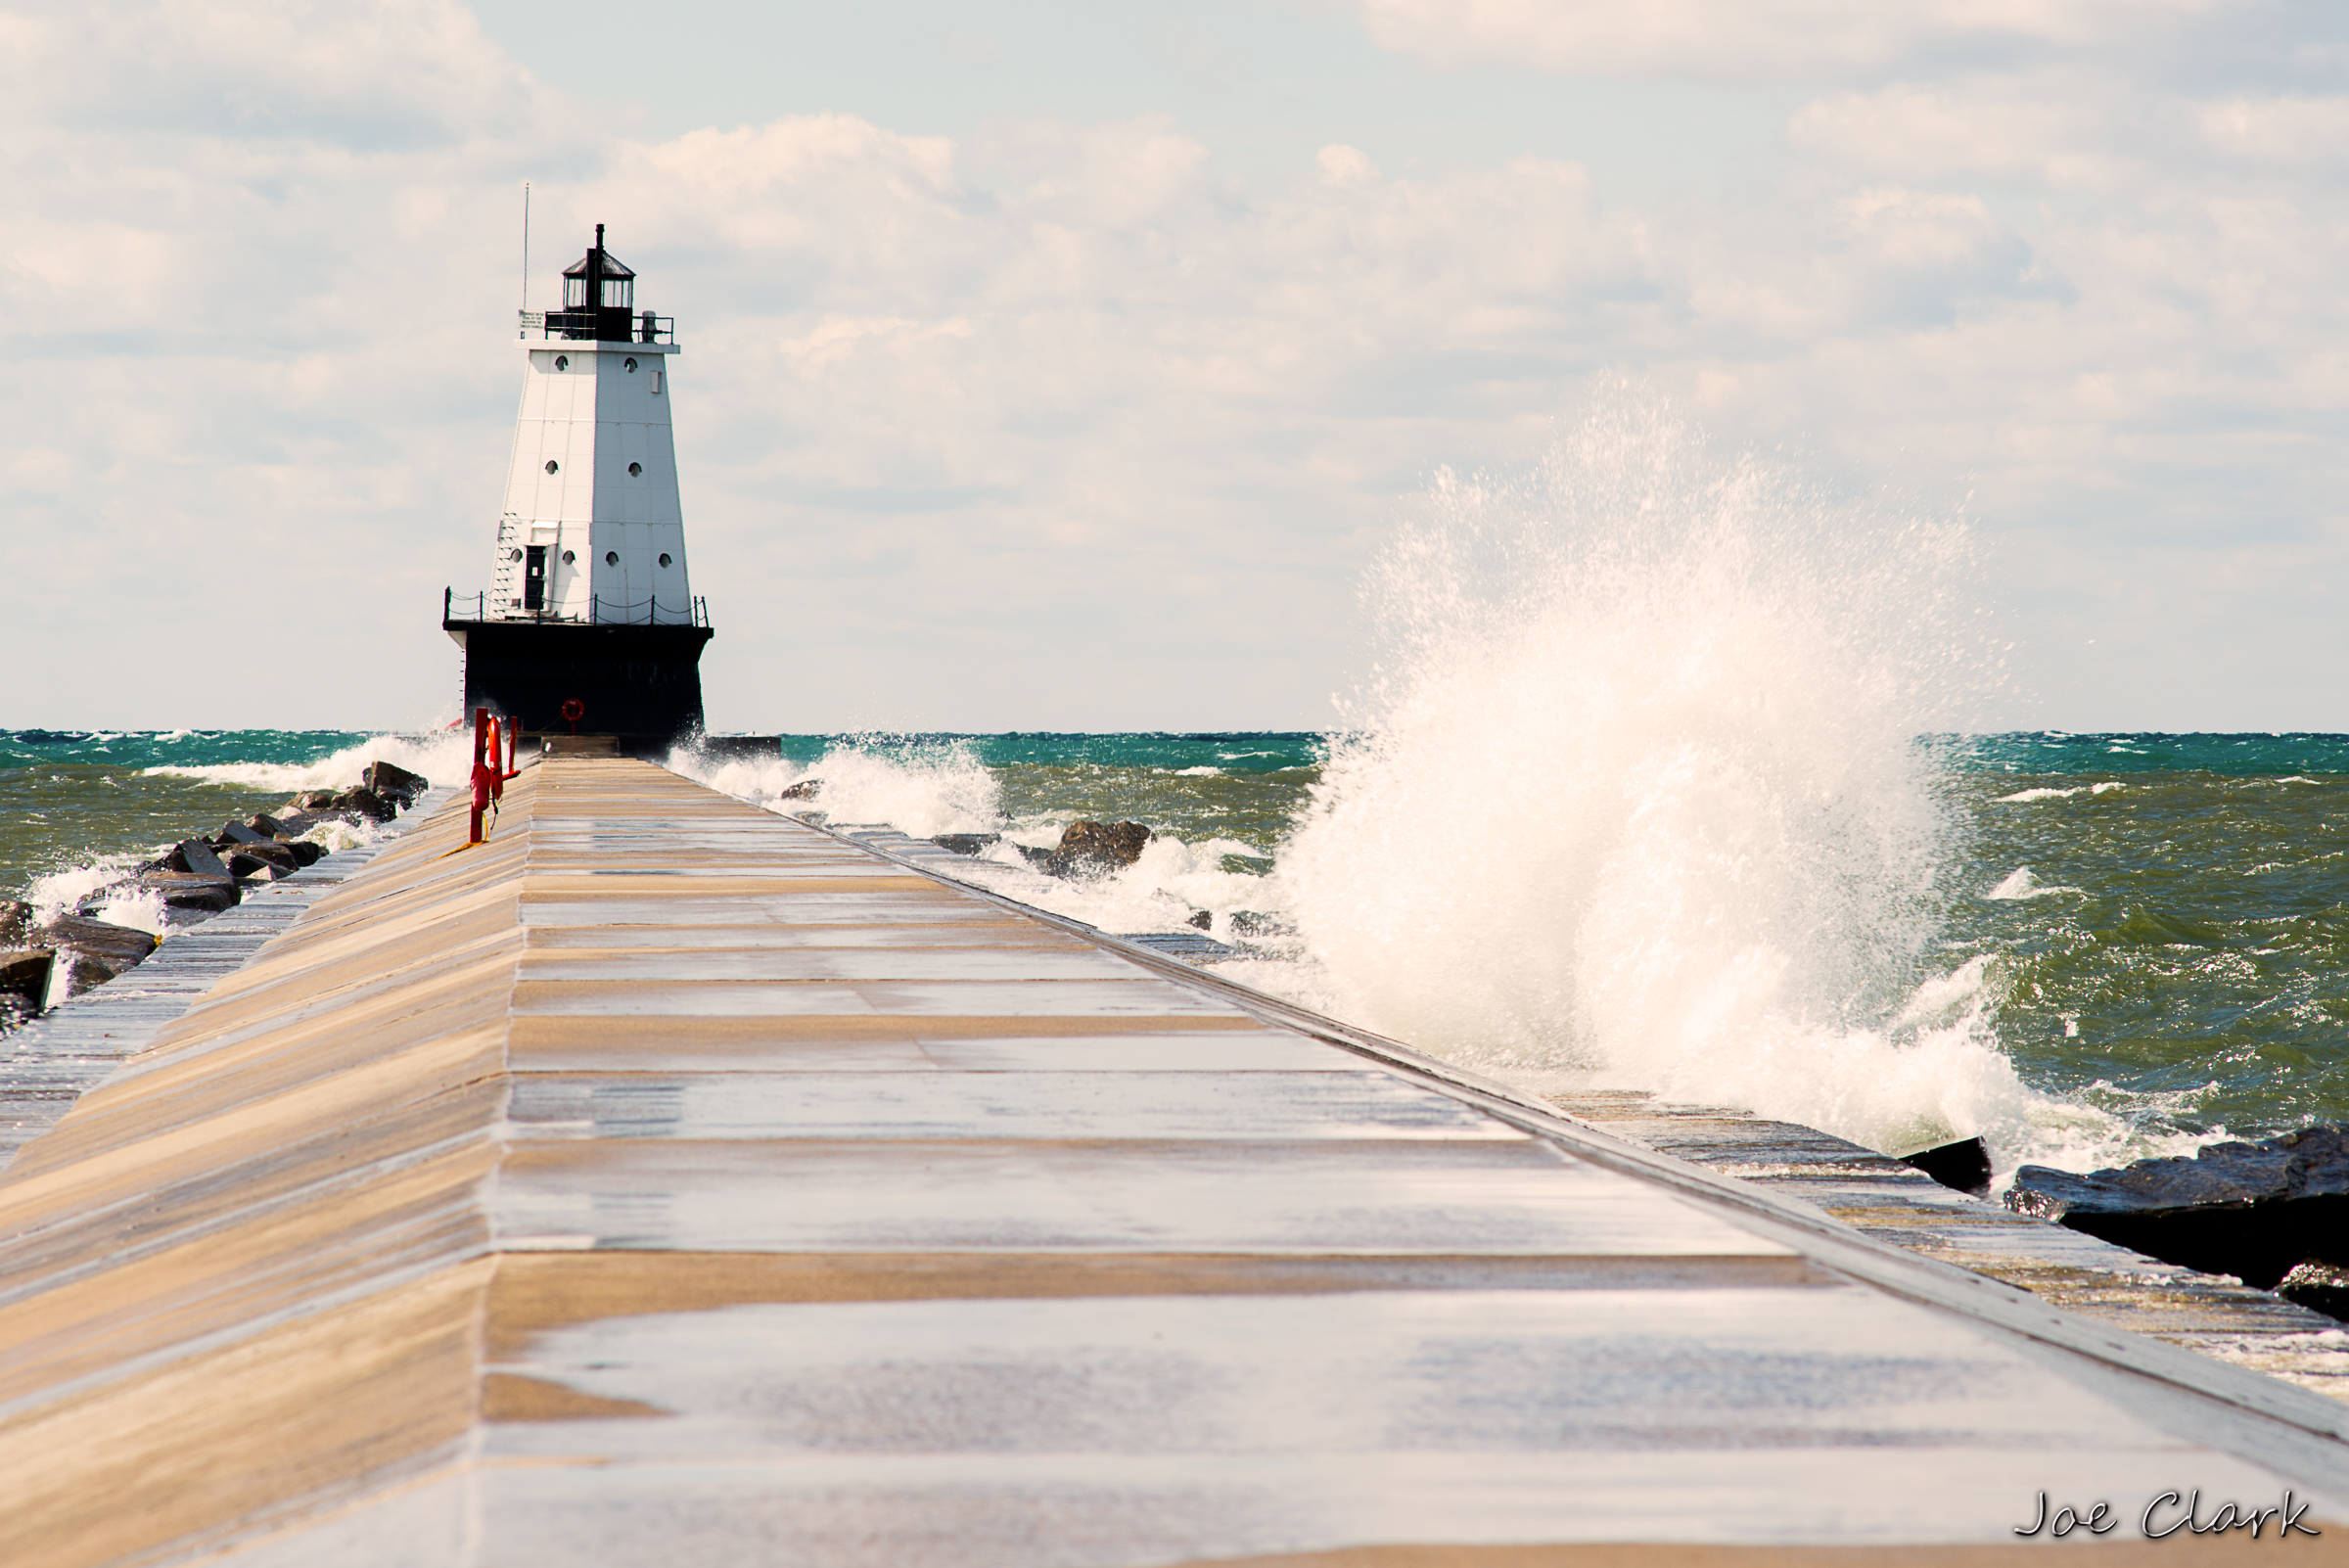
x: 2021, y: 883
x: 445, y: 757
x: 921, y: 789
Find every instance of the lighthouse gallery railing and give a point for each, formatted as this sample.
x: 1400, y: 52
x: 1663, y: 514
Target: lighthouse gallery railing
x: 600, y: 612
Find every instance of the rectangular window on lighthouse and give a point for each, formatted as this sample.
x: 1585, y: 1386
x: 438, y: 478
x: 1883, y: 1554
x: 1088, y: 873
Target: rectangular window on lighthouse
x: 533, y: 580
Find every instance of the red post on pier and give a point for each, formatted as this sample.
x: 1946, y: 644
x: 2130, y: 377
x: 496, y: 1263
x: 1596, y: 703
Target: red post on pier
x: 488, y: 778
x: 512, y: 749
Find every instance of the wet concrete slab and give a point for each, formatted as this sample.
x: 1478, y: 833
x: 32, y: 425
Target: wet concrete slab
x: 1508, y: 1195
x: 1087, y: 1105
x: 693, y: 966
x: 669, y: 1180
x: 964, y: 998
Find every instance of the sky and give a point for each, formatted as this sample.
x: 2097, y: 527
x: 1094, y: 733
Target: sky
x: 1064, y: 366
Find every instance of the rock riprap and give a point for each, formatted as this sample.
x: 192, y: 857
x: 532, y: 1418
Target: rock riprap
x: 1089, y: 849
x: 24, y: 981
x: 195, y: 878
x: 2256, y: 1211
x: 95, y: 951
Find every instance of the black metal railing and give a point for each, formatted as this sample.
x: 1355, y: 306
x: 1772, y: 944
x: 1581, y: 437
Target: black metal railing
x: 600, y: 326
x: 600, y: 612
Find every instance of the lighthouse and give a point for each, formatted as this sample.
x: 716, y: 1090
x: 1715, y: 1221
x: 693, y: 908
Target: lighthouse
x: 590, y: 621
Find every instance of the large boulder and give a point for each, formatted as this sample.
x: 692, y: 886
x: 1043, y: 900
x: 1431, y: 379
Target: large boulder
x: 394, y: 783
x: 1098, y: 849
x: 1962, y: 1166
x: 360, y: 801
x: 271, y: 859
x: 195, y: 857
x: 2251, y: 1209
x: 313, y: 807
x: 967, y: 843
x: 24, y: 981
x: 16, y: 922
x: 97, y: 945
x: 2318, y: 1286
x: 193, y: 890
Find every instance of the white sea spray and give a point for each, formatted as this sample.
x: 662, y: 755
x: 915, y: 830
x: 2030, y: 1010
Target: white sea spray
x: 922, y: 788
x: 1635, y: 797
x: 443, y: 756
x: 105, y: 887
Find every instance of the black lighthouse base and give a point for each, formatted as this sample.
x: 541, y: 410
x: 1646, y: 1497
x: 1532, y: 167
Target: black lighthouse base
x: 640, y: 683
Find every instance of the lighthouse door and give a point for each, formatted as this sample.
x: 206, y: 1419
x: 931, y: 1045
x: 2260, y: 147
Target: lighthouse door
x: 533, y: 579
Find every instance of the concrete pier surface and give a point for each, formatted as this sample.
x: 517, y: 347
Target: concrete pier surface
x: 669, y: 1182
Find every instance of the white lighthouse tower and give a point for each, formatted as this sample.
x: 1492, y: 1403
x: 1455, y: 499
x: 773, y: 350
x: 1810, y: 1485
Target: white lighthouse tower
x: 592, y: 528
x: 589, y: 604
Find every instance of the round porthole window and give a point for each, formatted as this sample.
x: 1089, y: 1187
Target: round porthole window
x: 636, y: 469
x: 629, y: 365
x: 552, y: 465
x: 568, y: 558
x: 562, y: 361
x: 512, y: 555
x: 665, y: 560
x: 611, y: 558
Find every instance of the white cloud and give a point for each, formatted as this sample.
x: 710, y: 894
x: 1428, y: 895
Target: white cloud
x: 1933, y: 133
x: 998, y: 428
x: 2280, y: 130
x: 1743, y: 40
x: 1341, y: 164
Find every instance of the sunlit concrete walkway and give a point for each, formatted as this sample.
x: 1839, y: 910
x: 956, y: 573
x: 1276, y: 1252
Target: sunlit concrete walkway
x: 669, y: 1182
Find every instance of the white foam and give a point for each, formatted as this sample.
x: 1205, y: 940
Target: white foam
x: 940, y: 786
x: 63, y: 892
x: 445, y: 757
x: 2105, y: 788
x: 128, y: 904
x: 105, y: 882
x: 921, y: 789
x: 2021, y: 883
x: 1636, y: 795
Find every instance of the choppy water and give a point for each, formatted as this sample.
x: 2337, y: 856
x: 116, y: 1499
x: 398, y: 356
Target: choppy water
x: 1634, y: 795
x: 2149, y: 932
x: 2143, y: 941
x: 77, y: 807
x: 2167, y: 921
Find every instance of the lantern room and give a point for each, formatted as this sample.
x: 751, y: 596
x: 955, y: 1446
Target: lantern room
x: 599, y: 299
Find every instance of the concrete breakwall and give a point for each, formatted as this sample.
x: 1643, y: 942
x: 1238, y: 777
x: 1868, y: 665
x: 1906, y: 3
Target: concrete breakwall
x: 666, y: 1180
